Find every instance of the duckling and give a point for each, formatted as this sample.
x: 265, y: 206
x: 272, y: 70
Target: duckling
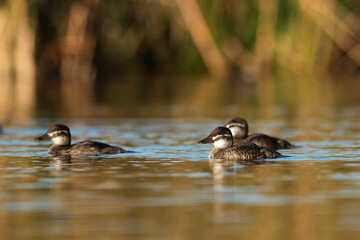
x: 222, y: 139
x: 240, y: 128
x: 60, y: 135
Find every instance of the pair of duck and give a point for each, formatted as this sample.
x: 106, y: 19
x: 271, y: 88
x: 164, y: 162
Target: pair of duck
x: 232, y: 142
x: 247, y: 147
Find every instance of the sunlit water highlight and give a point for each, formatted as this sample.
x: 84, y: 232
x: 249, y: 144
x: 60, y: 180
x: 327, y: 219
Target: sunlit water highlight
x: 168, y: 189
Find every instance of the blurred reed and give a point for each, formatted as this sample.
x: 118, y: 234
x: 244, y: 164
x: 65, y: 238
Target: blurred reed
x: 17, y: 63
x: 70, y: 52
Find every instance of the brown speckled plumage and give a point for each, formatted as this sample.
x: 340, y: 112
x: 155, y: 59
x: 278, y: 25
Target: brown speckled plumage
x: 85, y: 148
x: 244, y: 151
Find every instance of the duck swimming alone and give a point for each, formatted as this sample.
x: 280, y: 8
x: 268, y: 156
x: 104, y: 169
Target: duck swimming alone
x: 60, y: 135
x: 240, y: 128
x: 222, y: 139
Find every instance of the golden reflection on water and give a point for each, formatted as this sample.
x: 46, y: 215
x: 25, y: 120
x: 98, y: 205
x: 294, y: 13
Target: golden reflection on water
x: 206, y: 97
x: 296, y: 203
x: 168, y: 189
x: 107, y: 198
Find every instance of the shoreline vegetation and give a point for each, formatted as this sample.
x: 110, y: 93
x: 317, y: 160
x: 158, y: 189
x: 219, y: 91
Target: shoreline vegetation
x: 88, y: 57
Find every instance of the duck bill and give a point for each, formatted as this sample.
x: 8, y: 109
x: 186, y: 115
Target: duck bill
x: 208, y: 139
x: 43, y: 137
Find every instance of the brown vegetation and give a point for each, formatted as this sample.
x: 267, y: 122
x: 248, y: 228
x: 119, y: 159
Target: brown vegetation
x: 63, y: 50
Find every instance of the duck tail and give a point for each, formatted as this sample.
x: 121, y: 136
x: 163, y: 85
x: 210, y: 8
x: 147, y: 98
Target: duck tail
x: 270, y: 153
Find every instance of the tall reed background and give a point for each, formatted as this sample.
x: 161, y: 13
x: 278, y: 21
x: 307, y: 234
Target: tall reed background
x: 179, y: 57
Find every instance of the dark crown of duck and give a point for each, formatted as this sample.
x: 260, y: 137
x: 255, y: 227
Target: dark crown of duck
x: 221, y: 137
x: 58, y: 133
x: 239, y: 127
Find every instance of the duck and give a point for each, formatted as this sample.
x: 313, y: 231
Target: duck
x: 224, y: 148
x: 240, y: 128
x: 60, y: 135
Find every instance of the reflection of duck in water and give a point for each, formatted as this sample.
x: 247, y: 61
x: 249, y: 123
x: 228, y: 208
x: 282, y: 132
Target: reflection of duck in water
x: 59, y: 165
x: 60, y: 160
x: 220, y: 167
x: 222, y: 139
x: 60, y: 135
x: 240, y: 128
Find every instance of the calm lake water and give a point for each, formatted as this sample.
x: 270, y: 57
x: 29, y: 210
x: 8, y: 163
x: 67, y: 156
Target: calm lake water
x: 168, y: 188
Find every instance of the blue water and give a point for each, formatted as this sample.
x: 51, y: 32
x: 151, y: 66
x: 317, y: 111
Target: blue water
x: 167, y: 188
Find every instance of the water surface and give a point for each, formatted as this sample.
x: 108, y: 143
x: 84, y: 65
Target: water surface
x: 168, y: 188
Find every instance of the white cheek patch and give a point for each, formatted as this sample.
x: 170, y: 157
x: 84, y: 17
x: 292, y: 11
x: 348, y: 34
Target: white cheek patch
x: 60, y: 140
x: 242, y: 125
x: 220, y: 136
x: 235, y: 131
x: 222, y: 141
x: 53, y: 134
